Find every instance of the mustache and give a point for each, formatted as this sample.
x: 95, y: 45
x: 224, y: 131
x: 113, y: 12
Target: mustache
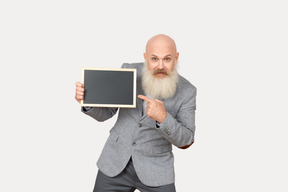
x: 160, y: 71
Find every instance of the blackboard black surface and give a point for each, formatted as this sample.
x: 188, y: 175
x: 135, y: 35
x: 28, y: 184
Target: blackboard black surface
x: 109, y: 87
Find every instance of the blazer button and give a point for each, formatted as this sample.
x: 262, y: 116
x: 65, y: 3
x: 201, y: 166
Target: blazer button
x: 140, y: 124
x: 134, y: 143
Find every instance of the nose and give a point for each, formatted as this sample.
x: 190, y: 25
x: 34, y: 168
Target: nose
x: 160, y: 64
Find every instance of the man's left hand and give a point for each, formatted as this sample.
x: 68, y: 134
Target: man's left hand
x: 155, y: 108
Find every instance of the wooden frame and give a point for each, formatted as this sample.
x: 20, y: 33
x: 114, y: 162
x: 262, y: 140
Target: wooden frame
x: 110, y: 83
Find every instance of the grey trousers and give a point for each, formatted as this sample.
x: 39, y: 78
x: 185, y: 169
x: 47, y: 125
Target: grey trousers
x: 126, y: 181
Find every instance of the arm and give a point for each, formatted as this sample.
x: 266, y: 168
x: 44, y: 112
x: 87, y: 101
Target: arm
x: 179, y: 130
x: 100, y: 113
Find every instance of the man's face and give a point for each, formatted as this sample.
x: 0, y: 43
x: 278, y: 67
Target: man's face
x: 161, y: 58
x: 159, y: 76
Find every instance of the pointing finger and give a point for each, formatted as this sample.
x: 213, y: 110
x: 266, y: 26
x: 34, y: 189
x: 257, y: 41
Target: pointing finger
x: 159, y: 101
x: 145, y: 98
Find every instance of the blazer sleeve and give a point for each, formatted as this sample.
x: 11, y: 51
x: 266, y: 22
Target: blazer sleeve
x: 180, y: 130
x: 100, y: 113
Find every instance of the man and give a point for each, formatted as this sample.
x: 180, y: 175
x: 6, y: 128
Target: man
x: 138, y: 153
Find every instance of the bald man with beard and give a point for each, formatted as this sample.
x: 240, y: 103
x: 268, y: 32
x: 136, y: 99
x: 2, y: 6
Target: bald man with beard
x: 138, y: 153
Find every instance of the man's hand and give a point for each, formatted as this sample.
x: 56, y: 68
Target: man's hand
x: 155, y: 109
x: 186, y: 146
x: 79, y: 93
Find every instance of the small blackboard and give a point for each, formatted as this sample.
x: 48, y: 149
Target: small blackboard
x: 109, y: 87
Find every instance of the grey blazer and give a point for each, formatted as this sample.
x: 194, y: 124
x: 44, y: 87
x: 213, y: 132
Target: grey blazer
x: 136, y: 135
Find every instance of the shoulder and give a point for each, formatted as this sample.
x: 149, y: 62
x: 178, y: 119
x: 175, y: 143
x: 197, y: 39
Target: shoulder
x: 137, y: 66
x: 132, y: 65
x: 186, y: 92
x: 185, y: 86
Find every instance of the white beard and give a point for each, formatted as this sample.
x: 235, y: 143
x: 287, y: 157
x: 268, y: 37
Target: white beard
x: 162, y: 88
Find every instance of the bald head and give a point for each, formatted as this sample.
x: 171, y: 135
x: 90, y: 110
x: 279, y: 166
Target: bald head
x: 161, y: 42
x: 161, y: 54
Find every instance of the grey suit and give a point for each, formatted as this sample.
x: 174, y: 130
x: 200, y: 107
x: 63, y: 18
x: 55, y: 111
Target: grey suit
x: 136, y: 135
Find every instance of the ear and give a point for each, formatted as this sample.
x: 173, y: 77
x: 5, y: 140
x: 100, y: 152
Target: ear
x: 177, y: 55
x: 144, y: 54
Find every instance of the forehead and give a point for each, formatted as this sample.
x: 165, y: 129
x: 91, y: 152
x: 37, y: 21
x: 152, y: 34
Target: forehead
x: 160, y: 50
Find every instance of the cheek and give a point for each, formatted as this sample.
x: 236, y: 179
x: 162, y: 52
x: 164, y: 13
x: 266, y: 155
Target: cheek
x: 151, y: 66
x: 170, y: 67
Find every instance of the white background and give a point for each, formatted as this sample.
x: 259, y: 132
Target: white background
x: 234, y: 52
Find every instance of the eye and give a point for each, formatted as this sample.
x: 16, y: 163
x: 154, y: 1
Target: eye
x: 154, y: 58
x: 167, y: 59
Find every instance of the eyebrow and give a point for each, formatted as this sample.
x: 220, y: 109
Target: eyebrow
x: 169, y: 55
